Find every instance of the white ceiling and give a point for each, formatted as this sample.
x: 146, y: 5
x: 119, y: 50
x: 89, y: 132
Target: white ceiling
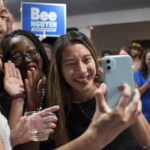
x: 77, y: 7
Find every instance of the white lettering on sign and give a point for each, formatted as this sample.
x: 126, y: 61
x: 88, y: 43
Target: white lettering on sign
x: 44, y: 24
x: 34, y: 12
x: 43, y: 15
x: 43, y: 20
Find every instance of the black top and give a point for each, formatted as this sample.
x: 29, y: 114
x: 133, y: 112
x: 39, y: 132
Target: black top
x: 5, y: 102
x: 79, y: 119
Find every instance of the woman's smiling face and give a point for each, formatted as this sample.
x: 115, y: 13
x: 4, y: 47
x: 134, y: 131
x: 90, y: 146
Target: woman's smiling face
x: 78, y: 67
x: 25, y: 55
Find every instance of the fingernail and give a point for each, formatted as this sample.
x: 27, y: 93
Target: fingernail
x: 102, y: 86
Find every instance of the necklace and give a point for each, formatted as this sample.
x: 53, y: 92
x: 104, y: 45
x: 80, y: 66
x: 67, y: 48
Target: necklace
x: 40, y: 106
x: 84, y: 113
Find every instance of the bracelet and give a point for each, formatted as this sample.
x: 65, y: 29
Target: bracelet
x: 22, y: 95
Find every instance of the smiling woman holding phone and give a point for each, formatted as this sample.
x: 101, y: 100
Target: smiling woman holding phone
x: 72, y: 72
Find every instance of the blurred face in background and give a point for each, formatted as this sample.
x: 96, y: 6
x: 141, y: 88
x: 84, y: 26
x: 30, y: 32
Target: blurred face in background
x: 1, y: 5
x: 135, y: 52
x: 3, y: 13
x: 48, y: 52
x: 147, y: 60
x: 123, y: 52
x: 3, y: 28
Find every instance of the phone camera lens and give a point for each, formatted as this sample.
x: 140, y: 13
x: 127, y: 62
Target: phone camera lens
x: 108, y: 67
x: 107, y: 61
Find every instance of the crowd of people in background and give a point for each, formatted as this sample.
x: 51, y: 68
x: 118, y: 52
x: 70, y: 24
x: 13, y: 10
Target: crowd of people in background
x: 66, y: 78
x: 141, y: 66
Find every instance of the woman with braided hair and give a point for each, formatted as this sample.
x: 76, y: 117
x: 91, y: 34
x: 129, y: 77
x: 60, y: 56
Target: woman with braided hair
x: 22, y: 51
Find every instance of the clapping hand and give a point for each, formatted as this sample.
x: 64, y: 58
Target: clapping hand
x: 33, y: 89
x: 13, y: 82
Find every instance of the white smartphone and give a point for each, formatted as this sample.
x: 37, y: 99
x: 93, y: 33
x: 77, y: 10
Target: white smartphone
x: 117, y: 70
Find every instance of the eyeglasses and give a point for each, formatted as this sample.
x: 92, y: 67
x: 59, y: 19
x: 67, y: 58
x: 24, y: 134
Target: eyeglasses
x: 18, y: 58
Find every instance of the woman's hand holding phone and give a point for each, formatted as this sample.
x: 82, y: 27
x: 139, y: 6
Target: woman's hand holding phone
x: 112, y: 121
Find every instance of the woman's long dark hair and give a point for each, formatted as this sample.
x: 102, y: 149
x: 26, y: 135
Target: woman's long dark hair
x: 143, y: 68
x: 59, y: 91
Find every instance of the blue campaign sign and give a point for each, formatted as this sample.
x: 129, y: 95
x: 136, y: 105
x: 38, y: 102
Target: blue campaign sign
x: 46, y: 18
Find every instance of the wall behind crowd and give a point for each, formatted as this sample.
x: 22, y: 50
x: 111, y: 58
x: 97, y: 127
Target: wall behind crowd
x: 113, y: 37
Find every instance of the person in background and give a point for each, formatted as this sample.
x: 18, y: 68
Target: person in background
x: 3, y: 19
x: 48, y: 50
x: 9, y: 22
x: 100, y: 72
x: 135, y: 51
x: 6, y: 26
x: 3, y: 32
x: 142, y: 82
x: 100, y: 69
x: 72, y: 72
x: 48, y: 43
x: 123, y: 51
x: 106, y: 53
